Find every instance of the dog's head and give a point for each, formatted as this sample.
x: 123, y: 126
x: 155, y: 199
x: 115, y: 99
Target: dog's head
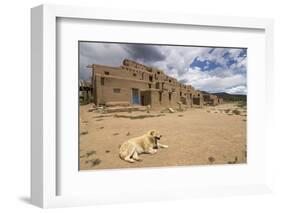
x: 155, y: 137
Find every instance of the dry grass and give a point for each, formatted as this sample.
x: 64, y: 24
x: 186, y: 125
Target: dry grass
x: 196, y: 138
x: 88, y: 154
x: 227, y: 110
x: 234, y: 161
x: 84, y: 133
x: 236, y: 112
x: 211, y: 159
x: 142, y: 116
x: 94, y: 162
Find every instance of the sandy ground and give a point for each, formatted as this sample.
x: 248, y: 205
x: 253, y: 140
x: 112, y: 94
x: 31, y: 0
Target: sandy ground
x: 210, y: 135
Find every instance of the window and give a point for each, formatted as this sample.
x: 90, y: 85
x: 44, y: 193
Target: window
x: 170, y: 96
x: 149, y: 86
x: 158, y: 72
x: 134, y: 74
x: 157, y: 85
x: 150, y: 78
x: 170, y: 81
x: 155, y: 76
x: 160, y: 97
x: 180, y: 93
x: 116, y: 90
x: 102, y: 81
x: 106, y: 73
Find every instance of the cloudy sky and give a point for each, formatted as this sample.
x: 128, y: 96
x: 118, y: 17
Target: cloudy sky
x: 206, y: 68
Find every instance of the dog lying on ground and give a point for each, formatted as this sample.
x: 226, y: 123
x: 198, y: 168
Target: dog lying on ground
x: 147, y: 143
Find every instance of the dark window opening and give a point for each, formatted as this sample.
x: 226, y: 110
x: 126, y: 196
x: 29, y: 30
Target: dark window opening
x: 157, y: 85
x: 170, y: 81
x: 149, y: 86
x: 198, y: 95
x: 180, y: 93
x: 158, y: 72
x: 102, y: 81
x: 116, y: 90
x: 150, y: 78
x: 106, y: 73
x: 134, y: 74
x: 142, y: 100
x: 160, y: 97
x: 170, y: 96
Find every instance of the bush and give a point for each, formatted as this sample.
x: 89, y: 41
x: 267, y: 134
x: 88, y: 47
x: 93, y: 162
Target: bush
x: 236, y: 112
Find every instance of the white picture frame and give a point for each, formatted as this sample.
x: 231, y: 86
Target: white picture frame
x: 44, y: 149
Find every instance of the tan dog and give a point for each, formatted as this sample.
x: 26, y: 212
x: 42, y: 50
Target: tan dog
x: 147, y: 143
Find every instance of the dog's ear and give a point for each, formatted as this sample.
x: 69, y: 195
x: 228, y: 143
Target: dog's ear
x: 152, y: 132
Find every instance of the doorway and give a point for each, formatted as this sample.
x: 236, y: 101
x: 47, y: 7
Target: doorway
x: 135, y: 96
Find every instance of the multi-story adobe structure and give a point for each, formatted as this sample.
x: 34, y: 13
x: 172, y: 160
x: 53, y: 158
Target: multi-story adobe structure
x: 212, y: 100
x: 85, y: 91
x: 220, y: 100
x: 137, y: 84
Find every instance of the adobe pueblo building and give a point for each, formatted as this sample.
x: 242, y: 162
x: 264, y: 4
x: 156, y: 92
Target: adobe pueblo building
x: 212, y: 100
x: 136, y: 84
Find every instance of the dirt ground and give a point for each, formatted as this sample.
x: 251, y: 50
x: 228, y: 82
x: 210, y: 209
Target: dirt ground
x: 197, y: 136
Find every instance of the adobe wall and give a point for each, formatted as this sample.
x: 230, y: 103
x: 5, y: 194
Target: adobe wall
x: 157, y: 89
x: 116, y: 89
x: 85, y: 92
x: 198, y: 101
x: 213, y: 100
x: 146, y: 97
x: 157, y: 99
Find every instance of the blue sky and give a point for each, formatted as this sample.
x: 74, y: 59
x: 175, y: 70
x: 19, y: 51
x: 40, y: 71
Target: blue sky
x: 206, y: 68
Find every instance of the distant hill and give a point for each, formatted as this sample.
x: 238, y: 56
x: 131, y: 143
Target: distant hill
x: 231, y: 97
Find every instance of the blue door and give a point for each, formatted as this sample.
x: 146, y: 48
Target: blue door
x: 135, y: 96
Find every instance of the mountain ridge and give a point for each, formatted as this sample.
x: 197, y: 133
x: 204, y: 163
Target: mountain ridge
x: 231, y: 97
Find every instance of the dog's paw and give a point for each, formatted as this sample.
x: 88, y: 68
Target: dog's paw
x: 130, y: 160
x: 154, y: 151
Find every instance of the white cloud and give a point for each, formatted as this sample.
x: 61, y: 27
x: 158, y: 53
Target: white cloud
x: 174, y: 61
x: 213, y: 83
x: 237, y: 90
x: 241, y: 63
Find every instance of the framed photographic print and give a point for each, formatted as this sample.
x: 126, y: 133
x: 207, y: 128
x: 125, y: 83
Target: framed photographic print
x: 128, y: 102
x: 185, y: 98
